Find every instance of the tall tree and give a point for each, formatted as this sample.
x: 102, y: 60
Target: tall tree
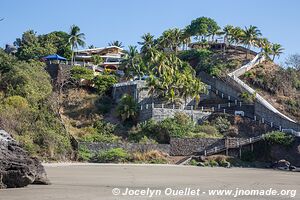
x: 76, y: 39
x: 116, y: 43
x: 277, y: 50
x: 293, y: 61
x: 133, y: 63
x: 147, y: 43
x: 250, y: 37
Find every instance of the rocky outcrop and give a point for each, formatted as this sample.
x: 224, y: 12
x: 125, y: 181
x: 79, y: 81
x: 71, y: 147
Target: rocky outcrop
x: 17, y: 168
x: 292, y: 153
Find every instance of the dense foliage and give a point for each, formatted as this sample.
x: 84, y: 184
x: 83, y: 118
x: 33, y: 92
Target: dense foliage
x: 180, y: 126
x: 277, y: 137
x: 25, y: 110
x: 33, y: 46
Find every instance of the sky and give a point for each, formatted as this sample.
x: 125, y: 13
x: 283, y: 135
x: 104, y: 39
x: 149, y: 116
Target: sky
x: 103, y: 21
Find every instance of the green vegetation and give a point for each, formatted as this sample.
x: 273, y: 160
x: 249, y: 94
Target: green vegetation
x: 33, y: 46
x: 180, y: 126
x: 113, y: 155
x: 26, y: 111
x: 79, y: 72
x: 222, y: 124
x: 277, y: 137
x: 100, y: 132
x: 84, y: 154
x: 104, y: 82
x: 127, y: 108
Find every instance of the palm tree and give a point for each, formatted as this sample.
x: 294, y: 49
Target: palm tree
x: 213, y: 32
x: 75, y: 39
x: 267, y: 51
x: 97, y: 60
x: 227, y: 30
x: 127, y: 108
x: 147, y: 43
x: 276, y: 50
x: 133, y: 62
x: 116, y: 43
x: 262, y: 43
x: 236, y: 36
x: 250, y: 37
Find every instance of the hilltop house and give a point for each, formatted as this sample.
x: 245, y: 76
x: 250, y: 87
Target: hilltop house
x: 111, y: 55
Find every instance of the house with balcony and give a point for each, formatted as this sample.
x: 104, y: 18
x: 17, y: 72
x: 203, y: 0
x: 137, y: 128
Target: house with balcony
x: 111, y: 55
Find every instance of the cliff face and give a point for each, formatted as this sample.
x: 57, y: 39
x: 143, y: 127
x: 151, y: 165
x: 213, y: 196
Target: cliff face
x: 17, y: 168
x: 291, y: 154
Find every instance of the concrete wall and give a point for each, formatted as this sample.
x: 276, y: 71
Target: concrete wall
x: 262, y: 112
x: 158, y: 114
x: 188, y: 146
x: 227, y: 88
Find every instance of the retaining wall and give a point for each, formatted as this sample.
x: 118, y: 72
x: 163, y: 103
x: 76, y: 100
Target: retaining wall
x: 177, y: 146
x: 130, y: 147
x: 158, y: 114
x: 188, y: 146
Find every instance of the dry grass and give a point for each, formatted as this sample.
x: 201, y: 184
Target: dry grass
x: 152, y: 156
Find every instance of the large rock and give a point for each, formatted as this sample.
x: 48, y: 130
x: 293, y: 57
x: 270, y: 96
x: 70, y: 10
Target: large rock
x: 17, y: 168
x: 292, y: 153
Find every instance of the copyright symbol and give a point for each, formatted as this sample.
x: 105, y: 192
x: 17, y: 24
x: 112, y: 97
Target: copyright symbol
x: 116, y: 191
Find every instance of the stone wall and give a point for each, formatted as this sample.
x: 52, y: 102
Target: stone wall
x: 130, y: 147
x: 188, y: 146
x: 136, y: 89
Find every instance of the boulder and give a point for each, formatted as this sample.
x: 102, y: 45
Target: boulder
x: 282, y: 165
x: 17, y: 168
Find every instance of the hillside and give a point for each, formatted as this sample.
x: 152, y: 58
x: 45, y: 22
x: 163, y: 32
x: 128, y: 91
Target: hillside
x: 281, y: 87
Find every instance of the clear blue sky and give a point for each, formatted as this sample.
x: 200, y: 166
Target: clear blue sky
x: 104, y: 20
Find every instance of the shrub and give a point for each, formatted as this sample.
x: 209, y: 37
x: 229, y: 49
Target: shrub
x: 112, y: 155
x: 153, y: 156
x: 16, y: 102
x: 277, y: 137
x: 104, y: 82
x: 79, y: 72
x: 221, y: 123
x: 213, y: 163
x: 84, y: 154
x: 146, y: 140
x: 100, y: 132
x: 127, y: 108
x: 193, y: 162
x: 208, y: 129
